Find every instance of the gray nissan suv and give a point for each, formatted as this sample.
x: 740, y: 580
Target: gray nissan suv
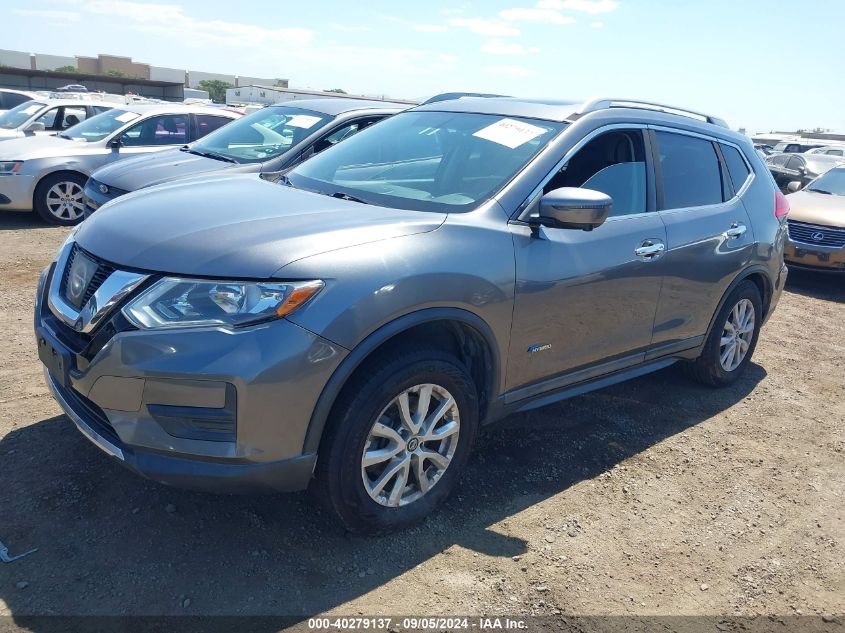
x: 350, y: 326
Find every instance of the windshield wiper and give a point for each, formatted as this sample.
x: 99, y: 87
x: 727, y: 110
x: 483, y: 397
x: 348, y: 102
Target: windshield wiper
x: 821, y: 191
x: 346, y: 196
x: 213, y: 155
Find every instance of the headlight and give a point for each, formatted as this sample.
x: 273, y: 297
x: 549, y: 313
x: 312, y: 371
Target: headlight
x: 173, y: 302
x: 10, y: 166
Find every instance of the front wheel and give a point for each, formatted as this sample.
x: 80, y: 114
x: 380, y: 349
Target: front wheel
x: 401, y: 435
x: 728, y: 349
x: 59, y: 200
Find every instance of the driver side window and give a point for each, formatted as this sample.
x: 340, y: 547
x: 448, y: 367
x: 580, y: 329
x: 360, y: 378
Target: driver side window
x: 613, y: 163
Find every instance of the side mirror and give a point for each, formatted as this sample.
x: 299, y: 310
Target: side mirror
x: 574, y: 208
x: 794, y: 186
x: 35, y: 126
x: 115, y: 143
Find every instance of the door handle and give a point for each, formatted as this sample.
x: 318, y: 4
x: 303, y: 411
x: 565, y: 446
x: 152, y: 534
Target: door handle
x: 736, y: 230
x: 650, y: 249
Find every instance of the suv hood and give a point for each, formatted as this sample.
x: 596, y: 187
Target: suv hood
x: 236, y: 227
x: 158, y: 167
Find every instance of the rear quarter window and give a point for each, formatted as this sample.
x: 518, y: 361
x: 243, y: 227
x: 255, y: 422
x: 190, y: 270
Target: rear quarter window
x: 737, y: 167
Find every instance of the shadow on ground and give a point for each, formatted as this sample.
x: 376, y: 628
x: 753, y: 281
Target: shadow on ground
x: 108, y: 544
x: 817, y: 285
x: 16, y: 220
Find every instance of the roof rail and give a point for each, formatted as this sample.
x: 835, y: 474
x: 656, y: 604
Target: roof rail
x: 449, y: 96
x: 604, y: 103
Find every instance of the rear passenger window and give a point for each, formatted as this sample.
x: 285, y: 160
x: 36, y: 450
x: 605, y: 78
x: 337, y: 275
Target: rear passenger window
x: 690, y: 171
x: 737, y: 167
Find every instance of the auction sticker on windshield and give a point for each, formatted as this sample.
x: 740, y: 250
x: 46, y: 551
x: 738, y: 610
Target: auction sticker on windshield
x: 510, y: 133
x: 126, y: 117
x: 304, y: 121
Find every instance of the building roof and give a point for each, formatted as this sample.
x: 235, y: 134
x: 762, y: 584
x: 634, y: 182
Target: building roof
x: 323, y: 93
x: 338, y: 105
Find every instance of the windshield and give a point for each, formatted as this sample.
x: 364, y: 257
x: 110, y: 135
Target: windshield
x: 19, y: 115
x: 262, y: 135
x: 427, y: 161
x: 100, y: 126
x: 832, y: 182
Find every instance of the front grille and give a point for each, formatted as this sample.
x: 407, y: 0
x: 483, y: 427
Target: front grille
x: 816, y: 234
x: 100, y: 275
x: 93, y: 415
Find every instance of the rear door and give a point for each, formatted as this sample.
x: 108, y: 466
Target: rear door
x: 709, y: 238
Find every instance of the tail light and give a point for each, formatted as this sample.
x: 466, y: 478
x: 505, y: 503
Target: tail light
x: 781, y: 205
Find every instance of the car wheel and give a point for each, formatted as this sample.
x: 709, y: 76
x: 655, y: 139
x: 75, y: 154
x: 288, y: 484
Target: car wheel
x: 730, y: 345
x: 59, y: 200
x: 400, y: 435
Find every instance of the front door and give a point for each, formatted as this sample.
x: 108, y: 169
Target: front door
x: 586, y: 300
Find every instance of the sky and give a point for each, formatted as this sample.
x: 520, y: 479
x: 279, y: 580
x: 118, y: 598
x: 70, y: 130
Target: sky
x: 760, y: 64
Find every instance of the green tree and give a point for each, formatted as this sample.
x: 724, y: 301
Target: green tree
x: 216, y: 89
x: 66, y: 69
x: 116, y: 73
x: 339, y: 90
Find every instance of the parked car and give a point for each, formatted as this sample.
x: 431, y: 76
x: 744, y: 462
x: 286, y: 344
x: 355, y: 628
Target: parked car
x: 817, y: 224
x: 764, y: 149
x: 272, y: 139
x: 46, y: 174
x: 47, y: 116
x: 453, y: 264
x: 829, y: 150
x: 802, y: 168
x: 794, y: 147
x: 11, y: 98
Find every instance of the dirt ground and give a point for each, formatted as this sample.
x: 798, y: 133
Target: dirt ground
x: 657, y: 496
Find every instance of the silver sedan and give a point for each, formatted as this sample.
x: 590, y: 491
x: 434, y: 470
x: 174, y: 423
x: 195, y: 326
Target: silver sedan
x: 43, y: 117
x: 46, y: 174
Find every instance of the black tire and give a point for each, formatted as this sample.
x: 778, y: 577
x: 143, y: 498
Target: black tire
x: 338, y: 479
x: 40, y: 203
x: 708, y: 368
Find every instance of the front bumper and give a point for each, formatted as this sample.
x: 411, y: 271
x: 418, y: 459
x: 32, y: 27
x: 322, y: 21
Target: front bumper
x: 148, y: 398
x: 814, y: 257
x: 16, y: 191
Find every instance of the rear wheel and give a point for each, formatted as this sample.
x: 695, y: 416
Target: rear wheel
x: 59, y: 200
x: 401, y: 435
x: 728, y: 349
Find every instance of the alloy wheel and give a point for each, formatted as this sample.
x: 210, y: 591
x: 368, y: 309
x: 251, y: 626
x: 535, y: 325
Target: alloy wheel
x: 410, y: 445
x: 737, y: 334
x: 64, y: 200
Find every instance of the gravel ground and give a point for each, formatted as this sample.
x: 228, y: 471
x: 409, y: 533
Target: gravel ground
x: 657, y: 496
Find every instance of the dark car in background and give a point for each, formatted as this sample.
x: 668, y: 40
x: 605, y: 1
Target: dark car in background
x: 801, y: 168
x: 794, y: 147
x: 274, y: 138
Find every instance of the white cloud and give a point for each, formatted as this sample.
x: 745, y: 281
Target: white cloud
x: 431, y: 28
x: 512, y: 71
x: 597, y: 25
x: 592, y: 7
x: 489, y: 28
x: 170, y: 19
x: 499, y: 47
x: 545, y: 16
x: 47, y: 14
x: 348, y: 28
